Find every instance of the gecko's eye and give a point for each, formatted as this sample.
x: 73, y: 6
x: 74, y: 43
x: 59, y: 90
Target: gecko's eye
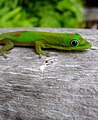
x: 74, y: 42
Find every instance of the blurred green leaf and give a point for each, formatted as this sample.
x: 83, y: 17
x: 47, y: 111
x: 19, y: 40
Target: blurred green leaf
x: 50, y: 21
x: 11, y: 14
x: 37, y: 13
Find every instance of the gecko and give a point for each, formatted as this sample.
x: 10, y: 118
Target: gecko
x: 40, y: 40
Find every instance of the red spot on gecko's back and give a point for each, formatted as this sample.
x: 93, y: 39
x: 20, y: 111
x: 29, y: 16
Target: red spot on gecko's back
x: 16, y: 35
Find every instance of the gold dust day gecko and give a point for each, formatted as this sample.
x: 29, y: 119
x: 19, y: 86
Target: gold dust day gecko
x: 60, y: 41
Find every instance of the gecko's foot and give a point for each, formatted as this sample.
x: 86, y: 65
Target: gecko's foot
x: 3, y: 53
x: 44, y: 53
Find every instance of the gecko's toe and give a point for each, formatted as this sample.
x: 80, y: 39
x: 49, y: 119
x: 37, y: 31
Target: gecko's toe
x: 44, y: 54
x: 3, y: 53
x: 40, y: 56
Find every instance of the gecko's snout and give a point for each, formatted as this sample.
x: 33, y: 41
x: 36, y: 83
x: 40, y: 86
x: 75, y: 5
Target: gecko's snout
x: 86, y: 44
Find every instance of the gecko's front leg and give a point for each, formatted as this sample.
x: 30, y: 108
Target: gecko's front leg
x: 8, y: 45
x: 38, y: 46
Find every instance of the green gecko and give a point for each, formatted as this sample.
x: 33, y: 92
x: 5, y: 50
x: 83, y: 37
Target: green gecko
x: 60, y: 41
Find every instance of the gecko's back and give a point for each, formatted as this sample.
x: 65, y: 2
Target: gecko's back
x: 21, y: 36
x: 32, y: 36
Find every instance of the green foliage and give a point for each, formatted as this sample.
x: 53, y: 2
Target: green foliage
x: 37, y: 13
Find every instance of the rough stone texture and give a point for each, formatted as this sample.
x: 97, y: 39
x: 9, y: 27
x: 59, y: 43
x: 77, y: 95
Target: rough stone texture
x: 63, y: 86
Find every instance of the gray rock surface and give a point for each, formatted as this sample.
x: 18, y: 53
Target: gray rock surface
x: 63, y: 86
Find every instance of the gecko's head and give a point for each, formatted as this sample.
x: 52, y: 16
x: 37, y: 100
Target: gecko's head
x: 78, y: 43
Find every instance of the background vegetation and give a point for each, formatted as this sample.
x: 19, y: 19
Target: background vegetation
x: 45, y: 13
